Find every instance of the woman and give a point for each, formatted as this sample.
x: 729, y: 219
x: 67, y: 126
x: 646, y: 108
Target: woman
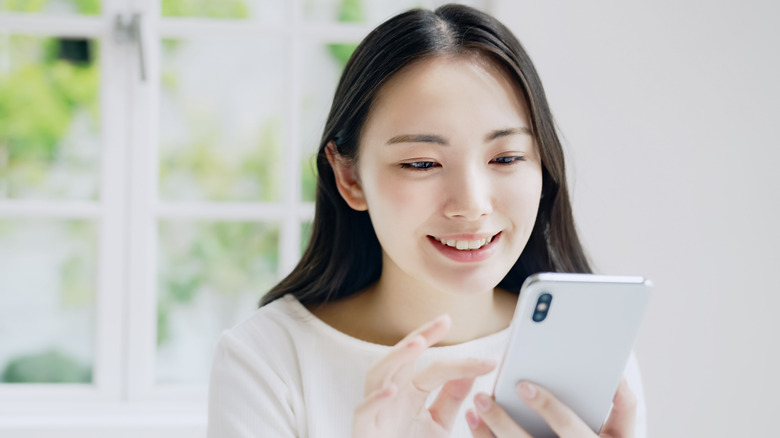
x: 441, y: 188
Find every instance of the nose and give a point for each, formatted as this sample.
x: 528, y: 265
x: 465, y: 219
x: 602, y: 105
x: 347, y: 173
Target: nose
x: 468, y: 195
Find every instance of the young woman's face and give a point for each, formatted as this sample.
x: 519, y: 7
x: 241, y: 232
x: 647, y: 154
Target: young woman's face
x: 450, y: 174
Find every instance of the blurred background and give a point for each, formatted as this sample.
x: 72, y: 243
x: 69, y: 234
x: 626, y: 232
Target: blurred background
x: 670, y: 113
x: 156, y: 179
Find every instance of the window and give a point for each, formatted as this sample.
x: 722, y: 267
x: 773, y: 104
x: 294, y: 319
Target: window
x: 156, y: 178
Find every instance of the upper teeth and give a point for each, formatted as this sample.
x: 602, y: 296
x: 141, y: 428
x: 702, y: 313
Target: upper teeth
x: 466, y: 244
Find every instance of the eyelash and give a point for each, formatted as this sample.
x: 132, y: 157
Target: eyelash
x: 428, y: 165
x: 419, y: 165
x: 512, y: 159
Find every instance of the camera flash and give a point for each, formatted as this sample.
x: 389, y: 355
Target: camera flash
x: 541, y: 307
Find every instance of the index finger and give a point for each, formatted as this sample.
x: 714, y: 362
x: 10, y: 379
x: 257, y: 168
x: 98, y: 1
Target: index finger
x: 433, y: 331
x: 405, y: 352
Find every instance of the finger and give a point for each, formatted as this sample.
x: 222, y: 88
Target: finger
x: 447, y: 404
x: 478, y: 428
x: 496, y: 419
x: 622, y: 418
x: 445, y: 370
x: 457, y: 376
x: 367, y: 411
x: 562, y: 420
x: 432, y: 330
x: 404, y: 353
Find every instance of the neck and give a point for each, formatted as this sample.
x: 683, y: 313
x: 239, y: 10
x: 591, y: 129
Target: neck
x: 404, y: 307
x: 396, y: 305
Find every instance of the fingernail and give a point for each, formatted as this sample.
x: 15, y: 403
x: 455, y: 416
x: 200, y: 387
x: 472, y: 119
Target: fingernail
x: 483, y: 402
x: 472, y: 419
x: 442, y: 318
x: 487, y: 363
x: 384, y: 392
x: 526, y: 390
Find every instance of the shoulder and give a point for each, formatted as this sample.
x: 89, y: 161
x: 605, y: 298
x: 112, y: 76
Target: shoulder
x: 255, y: 378
x: 273, y: 328
x: 259, y: 358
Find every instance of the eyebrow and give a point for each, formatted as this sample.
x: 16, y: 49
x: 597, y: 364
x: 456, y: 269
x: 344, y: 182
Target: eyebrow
x: 430, y: 138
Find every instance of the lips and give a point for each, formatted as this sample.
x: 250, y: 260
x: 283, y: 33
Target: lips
x: 466, y: 248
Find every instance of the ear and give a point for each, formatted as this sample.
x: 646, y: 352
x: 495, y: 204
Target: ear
x: 346, y: 178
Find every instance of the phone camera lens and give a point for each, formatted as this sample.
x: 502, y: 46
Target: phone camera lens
x: 542, y: 307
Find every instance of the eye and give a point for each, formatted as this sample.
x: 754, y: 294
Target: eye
x: 507, y: 160
x: 419, y: 165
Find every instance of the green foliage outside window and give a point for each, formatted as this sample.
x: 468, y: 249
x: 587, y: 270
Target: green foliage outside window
x: 51, y: 366
x: 228, y: 258
x: 75, y: 274
x: 205, y: 8
x: 40, y: 96
x: 42, y: 92
x: 254, y: 175
x: 351, y: 11
x: 86, y: 7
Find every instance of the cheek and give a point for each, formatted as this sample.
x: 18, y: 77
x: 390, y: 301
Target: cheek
x: 522, y: 200
x: 395, y: 205
x: 394, y: 195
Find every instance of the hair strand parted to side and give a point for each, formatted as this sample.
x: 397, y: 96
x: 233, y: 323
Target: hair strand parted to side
x: 344, y: 256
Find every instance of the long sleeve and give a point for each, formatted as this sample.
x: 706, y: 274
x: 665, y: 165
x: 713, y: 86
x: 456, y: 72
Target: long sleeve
x: 247, y: 397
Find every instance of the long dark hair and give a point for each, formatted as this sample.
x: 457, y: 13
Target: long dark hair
x: 344, y: 255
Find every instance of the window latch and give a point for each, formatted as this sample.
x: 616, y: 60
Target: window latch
x: 130, y: 28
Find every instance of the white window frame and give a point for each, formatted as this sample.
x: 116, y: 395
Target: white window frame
x: 123, y: 399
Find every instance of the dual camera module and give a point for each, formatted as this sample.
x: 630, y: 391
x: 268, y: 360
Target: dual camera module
x: 542, y: 307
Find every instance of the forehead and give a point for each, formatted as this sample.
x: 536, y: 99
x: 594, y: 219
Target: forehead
x: 447, y: 86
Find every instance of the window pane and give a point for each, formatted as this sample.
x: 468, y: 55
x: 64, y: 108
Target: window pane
x: 85, y: 7
x: 49, y: 139
x: 317, y: 90
x: 221, y: 120
x: 355, y: 11
x: 212, y: 275
x: 47, y: 300
x: 264, y: 11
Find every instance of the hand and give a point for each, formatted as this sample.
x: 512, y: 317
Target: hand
x: 395, y: 395
x: 491, y: 420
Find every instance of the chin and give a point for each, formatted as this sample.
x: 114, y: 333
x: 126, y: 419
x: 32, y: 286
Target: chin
x: 469, y: 285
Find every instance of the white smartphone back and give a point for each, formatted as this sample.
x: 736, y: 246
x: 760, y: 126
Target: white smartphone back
x: 577, y: 347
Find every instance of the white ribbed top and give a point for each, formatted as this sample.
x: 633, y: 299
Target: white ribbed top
x: 285, y: 373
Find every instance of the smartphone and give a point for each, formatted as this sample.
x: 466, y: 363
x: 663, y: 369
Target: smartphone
x: 572, y: 334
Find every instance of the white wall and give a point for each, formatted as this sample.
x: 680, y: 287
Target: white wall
x: 671, y: 111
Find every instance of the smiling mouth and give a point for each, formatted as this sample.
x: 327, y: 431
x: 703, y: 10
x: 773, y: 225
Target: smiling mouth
x: 466, y: 245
